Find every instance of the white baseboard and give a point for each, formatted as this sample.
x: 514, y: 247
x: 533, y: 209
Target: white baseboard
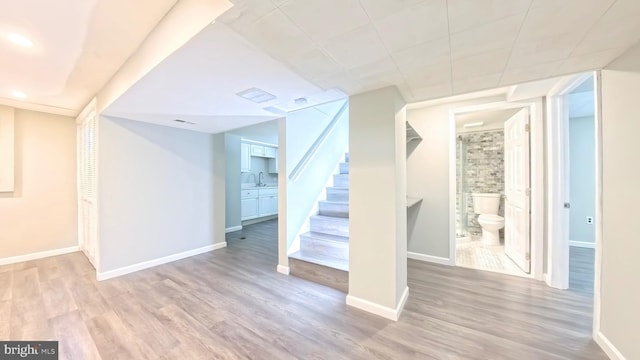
x: 159, y: 261
x: 582, y: 244
x: 38, y: 255
x: 607, y: 347
x: 385, y: 312
x: 430, y: 258
x: 232, y: 229
x: 283, y: 269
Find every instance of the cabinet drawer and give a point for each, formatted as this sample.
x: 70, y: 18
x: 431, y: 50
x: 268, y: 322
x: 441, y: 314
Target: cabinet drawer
x: 264, y: 192
x: 249, y: 193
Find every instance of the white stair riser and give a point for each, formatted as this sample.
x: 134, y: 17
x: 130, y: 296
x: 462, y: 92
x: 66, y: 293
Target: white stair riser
x: 341, y: 180
x: 332, y: 226
x: 334, y: 209
x: 335, y: 194
x: 344, y: 168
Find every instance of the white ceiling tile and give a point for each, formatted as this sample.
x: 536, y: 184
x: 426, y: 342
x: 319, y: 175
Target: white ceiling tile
x: 488, y: 63
x: 314, y: 64
x: 512, y: 76
x: 278, y: 36
x: 499, y: 34
x: 377, y: 9
x: 423, y: 55
x: 414, y: 24
x: 471, y: 84
x: 246, y: 12
x: 542, y: 51
x: 592, y: 61
x: 618, y: 27
x: 356, y: 48
x: 571, y: 18
x: 325, y: 19
x: 465, y: 14
x: 428, y: 76
x: 384, y: 68
x: 431, y: 92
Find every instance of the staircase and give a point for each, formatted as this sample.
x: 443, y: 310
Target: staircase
x: 324, y: 250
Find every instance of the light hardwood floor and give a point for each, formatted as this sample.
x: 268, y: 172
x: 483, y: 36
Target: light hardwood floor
x: 231, y: 304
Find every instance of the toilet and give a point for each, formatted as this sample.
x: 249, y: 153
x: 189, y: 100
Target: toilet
x: 486, y: 206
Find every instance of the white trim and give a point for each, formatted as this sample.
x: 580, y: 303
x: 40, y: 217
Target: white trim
x: 582, y: 244
x: 159, y: 261
x: 283, y: 269
x: 38, y: 255
x: 232, y: 229
x: 377, y: 309
x: 607, y: 347
x: 598, y: 215
x: 430, y: 258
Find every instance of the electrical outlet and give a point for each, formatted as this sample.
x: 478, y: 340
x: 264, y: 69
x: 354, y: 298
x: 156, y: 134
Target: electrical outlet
x: 589, y: 219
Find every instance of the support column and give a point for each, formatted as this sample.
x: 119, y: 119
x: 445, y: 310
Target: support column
x: 377, y: 198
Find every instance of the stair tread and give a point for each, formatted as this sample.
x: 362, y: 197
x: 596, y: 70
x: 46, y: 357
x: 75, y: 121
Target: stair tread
x: 338, y: 202
x: 330, y: 218
x: 323, y: 260
x: 324, y: 236
x: 338, y: 187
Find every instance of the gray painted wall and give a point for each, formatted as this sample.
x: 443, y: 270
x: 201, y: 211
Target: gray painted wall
x: 583, y: 176
x: 620, y: 292
x: 232, y: 176
x: 160, y: 192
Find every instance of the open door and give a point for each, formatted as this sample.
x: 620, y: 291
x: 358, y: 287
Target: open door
x: 517, y: 234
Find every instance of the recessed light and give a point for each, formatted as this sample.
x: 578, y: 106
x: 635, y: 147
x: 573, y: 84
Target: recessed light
x: 20, y: 40
x: 474, y: 124
x: 19, y: 94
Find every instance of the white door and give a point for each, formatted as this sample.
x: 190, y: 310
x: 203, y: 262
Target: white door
x: 517, y: 241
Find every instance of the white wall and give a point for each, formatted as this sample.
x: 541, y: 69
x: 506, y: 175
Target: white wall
x: 582, y: 174
x: 232, y: 182
x: 377, y: 202
x: 161, y: 192
x: 620, y: 271
x: 428, y: 177
x: 41, y: 213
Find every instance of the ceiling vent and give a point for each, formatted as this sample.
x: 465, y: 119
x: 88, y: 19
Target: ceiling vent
x: 256, y: 95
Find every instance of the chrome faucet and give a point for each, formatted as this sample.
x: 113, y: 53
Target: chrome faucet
x: 260, y: 176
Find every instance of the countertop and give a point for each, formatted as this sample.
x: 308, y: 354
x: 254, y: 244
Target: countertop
x: 254, y: 186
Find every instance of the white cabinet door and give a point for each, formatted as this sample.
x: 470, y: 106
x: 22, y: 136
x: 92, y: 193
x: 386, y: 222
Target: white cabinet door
x: 257, y: 150
x: 248, y: 208
x: 270, y: 152
x: 245, y: 157
x: 268, y: 205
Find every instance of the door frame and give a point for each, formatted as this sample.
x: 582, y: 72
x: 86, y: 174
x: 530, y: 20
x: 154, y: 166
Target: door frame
x: 536, y: 111
x: 557, y: 275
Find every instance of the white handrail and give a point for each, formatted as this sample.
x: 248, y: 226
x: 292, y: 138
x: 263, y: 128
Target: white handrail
x: 313, y: 149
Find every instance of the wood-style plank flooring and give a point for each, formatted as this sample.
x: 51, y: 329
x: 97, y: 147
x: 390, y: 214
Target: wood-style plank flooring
x: 231, y: 304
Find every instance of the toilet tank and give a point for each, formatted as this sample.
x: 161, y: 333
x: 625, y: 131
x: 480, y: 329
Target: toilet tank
x: 486, y: 203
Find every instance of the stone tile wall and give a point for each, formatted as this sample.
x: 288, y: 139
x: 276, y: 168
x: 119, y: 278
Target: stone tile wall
x: 483, y: 172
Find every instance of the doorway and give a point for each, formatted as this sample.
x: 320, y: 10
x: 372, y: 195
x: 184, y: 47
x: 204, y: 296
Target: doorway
x: 497, y: 196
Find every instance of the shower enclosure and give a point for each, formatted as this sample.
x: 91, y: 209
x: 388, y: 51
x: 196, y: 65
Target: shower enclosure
x: 462, y: 217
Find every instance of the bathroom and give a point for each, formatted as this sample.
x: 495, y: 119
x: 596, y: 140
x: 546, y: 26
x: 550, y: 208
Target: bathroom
x: 480, y: 191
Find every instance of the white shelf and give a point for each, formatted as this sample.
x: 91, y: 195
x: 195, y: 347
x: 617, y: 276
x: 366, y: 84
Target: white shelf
x: 412, y: 135
x: 411, y: 201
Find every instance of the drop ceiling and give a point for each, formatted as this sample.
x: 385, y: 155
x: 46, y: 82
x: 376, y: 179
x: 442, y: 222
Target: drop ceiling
x: 430, y: 49
x: 77, y: 47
